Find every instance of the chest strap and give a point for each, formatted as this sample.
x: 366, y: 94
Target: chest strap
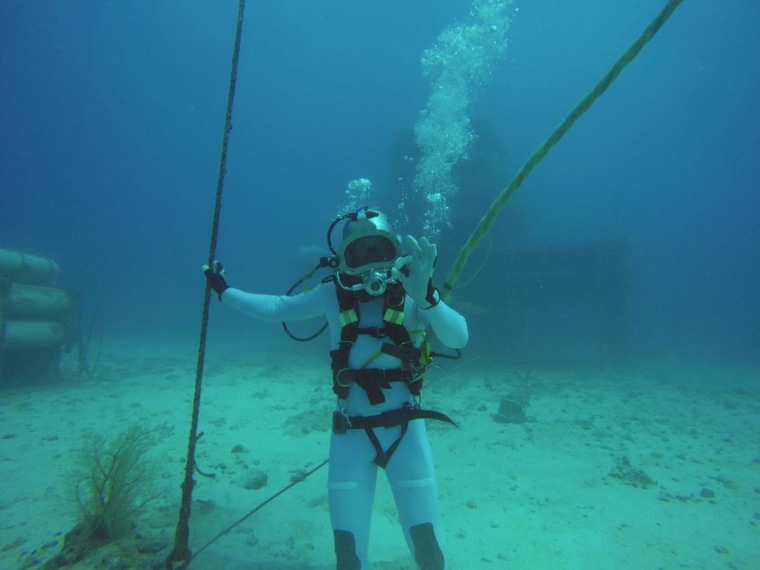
x: 372, y: 380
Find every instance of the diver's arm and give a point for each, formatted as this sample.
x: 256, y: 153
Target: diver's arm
x: 274, y: 308
x: 265, y: 307
x: 449, y: 326
x: 415, y: 272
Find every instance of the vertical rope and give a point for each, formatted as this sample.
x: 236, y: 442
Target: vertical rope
x: 181, y: 552
x: 487, y: 221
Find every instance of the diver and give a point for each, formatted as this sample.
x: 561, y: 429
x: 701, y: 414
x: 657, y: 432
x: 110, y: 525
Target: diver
x: 378, y: 301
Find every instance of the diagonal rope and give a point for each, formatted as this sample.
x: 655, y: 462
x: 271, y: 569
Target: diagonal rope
x: 261, y: 505
x: 181, y: 552
x: 485, y: 223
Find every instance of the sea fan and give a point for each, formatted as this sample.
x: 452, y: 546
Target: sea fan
x: 116, y: 479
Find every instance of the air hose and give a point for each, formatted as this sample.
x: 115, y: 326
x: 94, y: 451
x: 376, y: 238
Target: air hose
x: 485, y: 223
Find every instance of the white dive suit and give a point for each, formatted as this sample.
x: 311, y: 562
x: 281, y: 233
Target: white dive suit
x: 352, y: 466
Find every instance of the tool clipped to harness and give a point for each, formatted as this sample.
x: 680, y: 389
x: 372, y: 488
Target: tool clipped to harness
x: 416, y: 359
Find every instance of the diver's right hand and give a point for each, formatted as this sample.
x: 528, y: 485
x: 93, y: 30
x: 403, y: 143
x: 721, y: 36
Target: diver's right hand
x: 215, y: 278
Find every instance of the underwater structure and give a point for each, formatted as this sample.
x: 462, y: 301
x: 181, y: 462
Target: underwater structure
x: 38, y: 320
x: 567, y: 303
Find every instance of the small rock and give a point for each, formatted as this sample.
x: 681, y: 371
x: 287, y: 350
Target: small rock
x: 510, y: 412
x: 632, y: 476
x: 720, y: 549
x: 255, y: 480
x: 204, y: 507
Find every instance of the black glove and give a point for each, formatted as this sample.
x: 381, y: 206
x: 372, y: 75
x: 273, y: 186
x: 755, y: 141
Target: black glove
x: 215, y: 277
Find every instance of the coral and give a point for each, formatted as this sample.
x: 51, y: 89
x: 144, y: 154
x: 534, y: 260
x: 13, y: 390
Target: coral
x: 117, y: 474
x: 115, y: 477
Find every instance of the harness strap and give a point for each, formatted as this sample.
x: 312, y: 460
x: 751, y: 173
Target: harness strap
x: 372, y: 380
x: 393, y: 418
x: 383, y: 457
x: 388, y: 419
x: 392, y: 328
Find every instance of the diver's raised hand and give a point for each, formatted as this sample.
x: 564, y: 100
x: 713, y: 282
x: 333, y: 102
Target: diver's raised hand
x: 215, y: 278
x: 415, y: 271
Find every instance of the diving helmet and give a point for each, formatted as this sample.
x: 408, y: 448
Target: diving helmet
x: 367, y: 253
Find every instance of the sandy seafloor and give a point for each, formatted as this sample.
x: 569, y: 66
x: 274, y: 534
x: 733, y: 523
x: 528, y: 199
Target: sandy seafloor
x: 535, y: 495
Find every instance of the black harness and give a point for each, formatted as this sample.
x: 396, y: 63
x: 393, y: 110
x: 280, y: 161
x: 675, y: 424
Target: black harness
x: 374, y: 380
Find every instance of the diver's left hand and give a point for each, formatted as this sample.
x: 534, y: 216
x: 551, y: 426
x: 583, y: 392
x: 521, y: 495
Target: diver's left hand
x: 415, y: 271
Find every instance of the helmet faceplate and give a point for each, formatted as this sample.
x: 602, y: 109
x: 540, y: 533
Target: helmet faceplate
x: 369, y: 244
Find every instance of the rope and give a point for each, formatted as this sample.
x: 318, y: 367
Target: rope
x: 487, y: 221
x: 296, y: 479
x: 181, y: 552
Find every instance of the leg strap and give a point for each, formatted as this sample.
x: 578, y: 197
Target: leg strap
x: 383, y: 457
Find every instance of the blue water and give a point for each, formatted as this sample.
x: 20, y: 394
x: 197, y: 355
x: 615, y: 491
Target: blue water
x: 111, y: 120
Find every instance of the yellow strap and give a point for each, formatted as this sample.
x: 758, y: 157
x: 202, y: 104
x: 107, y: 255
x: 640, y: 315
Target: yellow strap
x: 425, y: 357
x: 348, y: 317
x: 394, y: 317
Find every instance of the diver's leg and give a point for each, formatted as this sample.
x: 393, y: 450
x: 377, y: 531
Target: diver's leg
x: 412, y: 479
x: 351, y: 490
x: 427, y: 552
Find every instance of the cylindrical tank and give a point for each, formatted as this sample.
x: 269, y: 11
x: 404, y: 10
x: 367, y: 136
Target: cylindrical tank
x: 32, y: 334
x: 35, y: 301
x: 37, y: 319
x: 25, y: 268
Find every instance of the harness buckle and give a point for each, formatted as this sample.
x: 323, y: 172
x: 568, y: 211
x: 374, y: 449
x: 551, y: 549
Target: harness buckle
x: 341, y: 421
x: 376, y: 332
x: 349, y: 374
